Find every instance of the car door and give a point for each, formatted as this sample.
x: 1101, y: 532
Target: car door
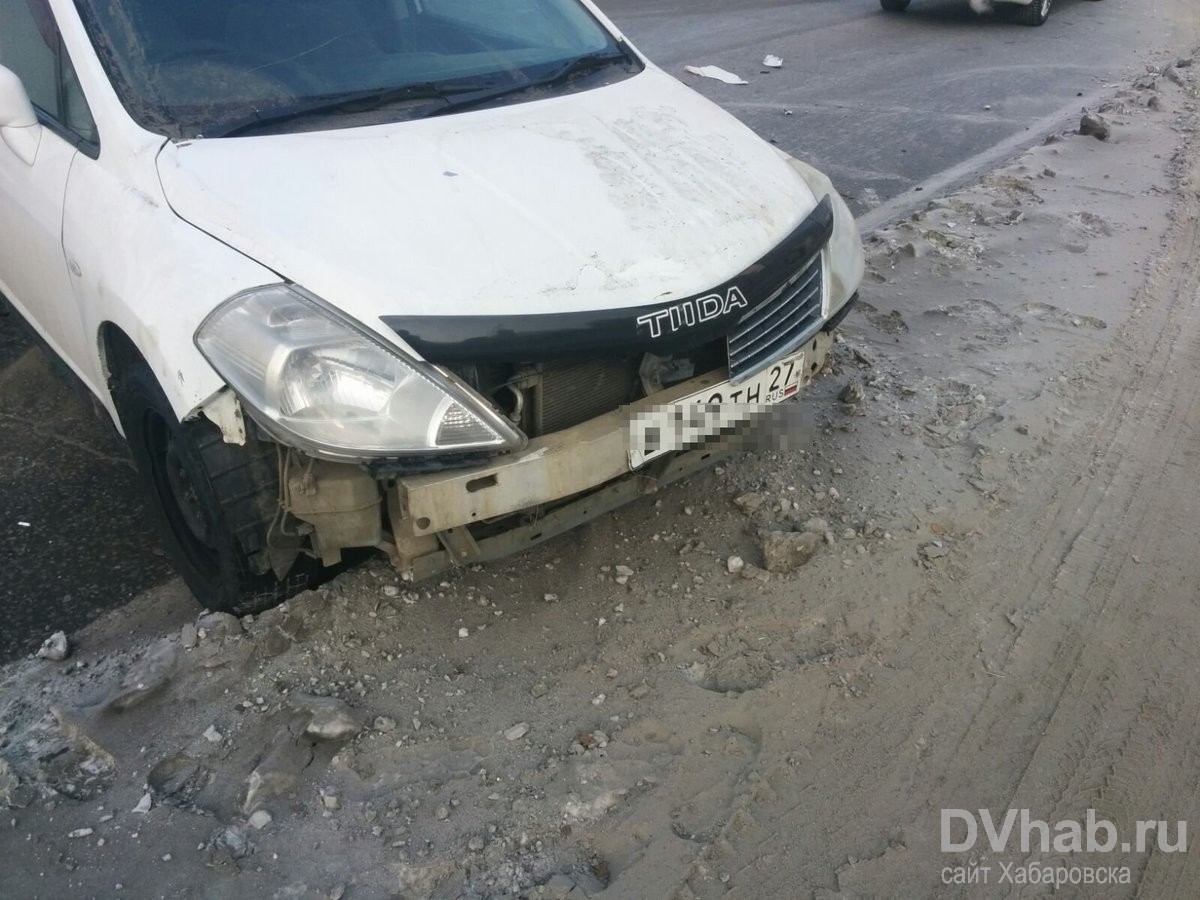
x: 34, y: 273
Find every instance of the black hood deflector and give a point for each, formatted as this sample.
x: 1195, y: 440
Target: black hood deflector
x: 660, y: 328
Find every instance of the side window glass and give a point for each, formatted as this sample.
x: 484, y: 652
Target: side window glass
x: 30, y: 47
x: 74, y: 112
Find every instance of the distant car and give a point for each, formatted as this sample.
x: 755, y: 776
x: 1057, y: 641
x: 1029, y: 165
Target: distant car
x: 1031, y: 12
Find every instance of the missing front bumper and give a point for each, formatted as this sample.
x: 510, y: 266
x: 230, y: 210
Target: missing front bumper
x: 558, y: 482
x: 458, y: 546
x: 431, y: 522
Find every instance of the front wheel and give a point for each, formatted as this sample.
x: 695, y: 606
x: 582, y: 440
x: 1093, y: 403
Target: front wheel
x: 215, y: 502
x: 1036, y: 13
x: 894, y: 5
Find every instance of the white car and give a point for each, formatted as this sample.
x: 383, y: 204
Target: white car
x: 1031, y: 12
x: 440, y: 277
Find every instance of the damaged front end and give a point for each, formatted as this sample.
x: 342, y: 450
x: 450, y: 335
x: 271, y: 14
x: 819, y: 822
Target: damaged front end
x: 429, y: 521
x: 560, y: 417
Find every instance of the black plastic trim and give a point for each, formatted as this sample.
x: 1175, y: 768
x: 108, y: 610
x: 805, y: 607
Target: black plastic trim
x: 53, y: 125
x: 836, y: 319
x: 659, y: 328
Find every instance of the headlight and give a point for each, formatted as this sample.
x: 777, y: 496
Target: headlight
x: 333, y: 389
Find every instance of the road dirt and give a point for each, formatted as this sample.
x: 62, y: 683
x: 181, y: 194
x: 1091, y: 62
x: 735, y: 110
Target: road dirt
x: 1000, y: 614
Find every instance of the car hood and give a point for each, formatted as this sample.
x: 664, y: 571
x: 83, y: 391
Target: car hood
x: 615, y: 197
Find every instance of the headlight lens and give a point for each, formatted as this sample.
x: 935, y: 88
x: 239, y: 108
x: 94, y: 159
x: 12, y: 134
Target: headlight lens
x: 334, y: 389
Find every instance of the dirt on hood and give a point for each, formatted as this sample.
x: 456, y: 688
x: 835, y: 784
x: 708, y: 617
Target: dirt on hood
x: 983, y: 598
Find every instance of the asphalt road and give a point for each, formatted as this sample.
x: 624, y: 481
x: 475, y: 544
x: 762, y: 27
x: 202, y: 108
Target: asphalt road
x: 891, y: 101
x: 74, y: 533
x: 895, y: 104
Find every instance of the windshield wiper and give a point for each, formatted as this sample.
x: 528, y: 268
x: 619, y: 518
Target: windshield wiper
x: 351, y: 101
x: 581, y: 65
x: 457, y: 95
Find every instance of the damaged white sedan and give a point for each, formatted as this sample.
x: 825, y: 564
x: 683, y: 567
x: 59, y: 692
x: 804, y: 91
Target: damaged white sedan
x: 439, y: 277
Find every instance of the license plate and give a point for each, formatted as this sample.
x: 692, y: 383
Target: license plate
x: 690, y: 420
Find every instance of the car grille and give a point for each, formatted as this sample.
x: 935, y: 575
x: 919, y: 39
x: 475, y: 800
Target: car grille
x: 780, y: 324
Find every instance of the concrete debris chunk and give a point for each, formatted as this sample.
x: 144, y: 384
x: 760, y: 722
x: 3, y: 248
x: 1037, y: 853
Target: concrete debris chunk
x: 178, y: 780
x: 330, y: 719
x: 559, y: 887
x: 144, y: 678
x: 9, y: 784
x: 863, y: 357
x: 55, y: 648
x: 516, y: 732
x: 260, y: 819
x: 786, y: 551
x: 852, y: 393
x: 735, y: 564
x: 234, y: 841
x: 188, y: 636
x: 220, y: 625
x: 751, y: 502
x: 276, y: 642
x: 1094, y: 125
x: 53, y: 751
x: 279, y: 770
x: 754, y: 573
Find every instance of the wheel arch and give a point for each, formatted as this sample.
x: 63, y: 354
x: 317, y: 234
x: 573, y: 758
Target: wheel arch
x: 118, y: 353
x: 185, y: 377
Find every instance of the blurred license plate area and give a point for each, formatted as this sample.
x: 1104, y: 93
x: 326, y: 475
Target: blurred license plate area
x: 695, y: 418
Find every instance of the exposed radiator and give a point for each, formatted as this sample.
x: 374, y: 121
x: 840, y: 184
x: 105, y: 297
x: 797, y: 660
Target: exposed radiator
x: 571, y: 393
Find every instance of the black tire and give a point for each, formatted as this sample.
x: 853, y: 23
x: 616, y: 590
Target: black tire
x: 214, y: 502
x: 1036, y: 13
x: 894, y: 5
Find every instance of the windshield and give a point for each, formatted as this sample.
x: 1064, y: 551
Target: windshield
x: 189, y: 69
